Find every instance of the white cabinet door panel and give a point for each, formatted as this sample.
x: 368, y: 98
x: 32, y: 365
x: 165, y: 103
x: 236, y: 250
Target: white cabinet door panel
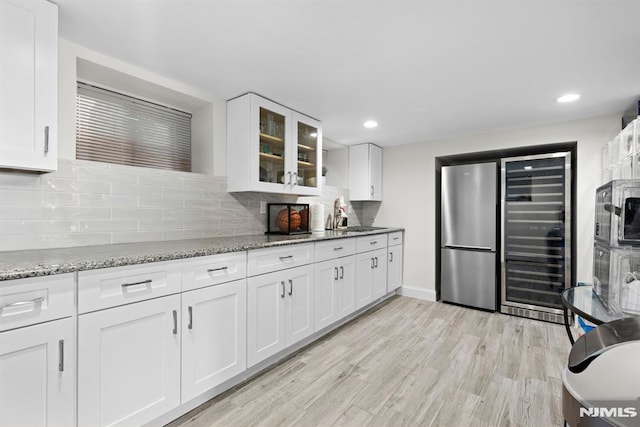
x: 299, y: 304
x: 379, y: 273
x: 37, y: 375
x: 214, y: 340
x: 326, y: 293
x: 129, y: 363
x: 265, y: 316
x: 28, y: 84
x: 346, y: 286
x: 394, y: 271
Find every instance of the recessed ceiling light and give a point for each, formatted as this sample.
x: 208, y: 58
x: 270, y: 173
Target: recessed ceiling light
x: 570, y: 97
x: 370, y: 124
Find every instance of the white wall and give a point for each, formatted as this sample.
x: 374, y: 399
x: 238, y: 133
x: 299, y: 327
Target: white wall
x: 409, y: 189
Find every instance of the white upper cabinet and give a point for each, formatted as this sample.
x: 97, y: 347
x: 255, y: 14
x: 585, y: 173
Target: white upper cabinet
x: 28, y: 84
x: 365, y: 172
x: 271, y: 148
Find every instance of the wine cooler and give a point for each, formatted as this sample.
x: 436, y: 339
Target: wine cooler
x: 536, y: 235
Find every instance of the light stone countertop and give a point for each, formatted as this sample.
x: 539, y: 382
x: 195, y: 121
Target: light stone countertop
x: 45, y: 262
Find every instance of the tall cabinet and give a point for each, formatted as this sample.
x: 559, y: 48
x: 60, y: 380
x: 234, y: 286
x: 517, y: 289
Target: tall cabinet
x: 28, y: 87
x: 272, y: 148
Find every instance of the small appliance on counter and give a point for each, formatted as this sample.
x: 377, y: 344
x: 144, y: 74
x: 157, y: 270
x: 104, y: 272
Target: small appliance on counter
x: 288, y: 218
x: 339, y: 213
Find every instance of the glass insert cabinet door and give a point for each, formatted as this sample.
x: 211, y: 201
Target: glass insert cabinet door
x: 273, y: 131
x: 308, y: 153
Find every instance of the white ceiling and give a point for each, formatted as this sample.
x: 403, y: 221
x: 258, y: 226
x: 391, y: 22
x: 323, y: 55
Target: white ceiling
x: 424, y: 69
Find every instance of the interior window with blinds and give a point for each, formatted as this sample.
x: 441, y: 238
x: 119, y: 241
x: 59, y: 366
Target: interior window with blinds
x: 116, y: 128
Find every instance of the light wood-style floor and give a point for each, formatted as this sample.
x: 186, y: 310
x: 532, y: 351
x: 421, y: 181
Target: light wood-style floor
x: 409, y: 362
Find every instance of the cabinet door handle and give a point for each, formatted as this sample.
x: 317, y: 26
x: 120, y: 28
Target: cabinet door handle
x: 390, y: 256
x: 341, y: 272
x: 34, y: 301
x: 61, y: 355
x: 175, y: 322
x: 290, y: 287
x: 295, y: 179
x: 283, y: 290
x: 46, y: 139
x: 336, y: 273
x: 144, y: 282
x: 190, y: 309
x: 211, y: 270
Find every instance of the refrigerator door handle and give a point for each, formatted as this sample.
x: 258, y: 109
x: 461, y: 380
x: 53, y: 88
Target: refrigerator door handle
x: 474, y: 248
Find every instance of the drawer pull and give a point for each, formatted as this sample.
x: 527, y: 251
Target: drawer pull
x: 144, y: 282
x: 175, y: 322
x: 283, y: 258
x: 339, y: 248
x: 34, y: 301
x: 211, y: 270
x: 190, y: 326
x: 61, y: 355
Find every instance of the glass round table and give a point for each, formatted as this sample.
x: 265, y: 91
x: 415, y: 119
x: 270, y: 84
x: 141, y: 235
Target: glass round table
x: 582, y: 301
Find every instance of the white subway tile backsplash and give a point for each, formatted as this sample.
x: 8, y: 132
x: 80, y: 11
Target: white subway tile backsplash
x: 138, y: 236
x: 107, y: 200
x: 159, y: 202
x: 76, y: 212
x: 61, y: 240
x: 160, y: 224
x: 19, y: 197
x: 91, y: 203
x: 136, y: 189
x: 136, y: 213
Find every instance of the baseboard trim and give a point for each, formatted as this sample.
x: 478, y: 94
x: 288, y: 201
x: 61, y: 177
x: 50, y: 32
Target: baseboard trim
x: 425, y: 294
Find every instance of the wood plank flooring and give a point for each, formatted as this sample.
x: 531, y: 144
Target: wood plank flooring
x: 409, y: 362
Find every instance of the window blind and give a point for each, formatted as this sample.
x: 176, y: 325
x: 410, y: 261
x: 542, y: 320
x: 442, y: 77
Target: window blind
x: 116, y: 128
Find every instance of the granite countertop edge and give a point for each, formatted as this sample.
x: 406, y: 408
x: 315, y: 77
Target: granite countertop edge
x: 46, y: 262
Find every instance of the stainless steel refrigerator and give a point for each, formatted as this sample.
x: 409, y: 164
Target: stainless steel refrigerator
x: 468, y: 235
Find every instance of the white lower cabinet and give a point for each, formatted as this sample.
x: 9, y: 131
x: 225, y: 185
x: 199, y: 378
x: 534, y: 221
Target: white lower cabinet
x: 280, y: 311
x: 371, y: 276
x: 37, y: 375
x: 214, y: 336
x: 129, y: 363
x: 334, y: 290
x: 394, y: 273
